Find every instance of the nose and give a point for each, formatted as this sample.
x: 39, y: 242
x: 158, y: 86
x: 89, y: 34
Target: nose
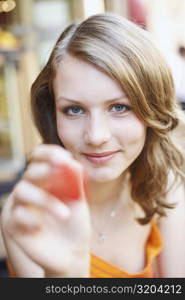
x: 97, y: 131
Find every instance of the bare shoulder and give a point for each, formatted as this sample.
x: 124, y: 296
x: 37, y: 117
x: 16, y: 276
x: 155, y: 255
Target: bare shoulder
x: 174, y: 221
x: 171, y: 262
x: 175, y: 196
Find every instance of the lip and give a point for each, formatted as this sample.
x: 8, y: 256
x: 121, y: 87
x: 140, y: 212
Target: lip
x: 100, y: 158
x: 103, y: 154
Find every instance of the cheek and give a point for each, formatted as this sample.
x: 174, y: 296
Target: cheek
x: 67, y: 134
x: 133, y: 132
x: 62, y: 130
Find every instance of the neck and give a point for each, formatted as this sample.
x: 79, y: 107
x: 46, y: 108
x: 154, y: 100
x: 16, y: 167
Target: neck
x: 103, y: 194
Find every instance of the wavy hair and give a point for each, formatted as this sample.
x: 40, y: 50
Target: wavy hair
x: 127, y: 54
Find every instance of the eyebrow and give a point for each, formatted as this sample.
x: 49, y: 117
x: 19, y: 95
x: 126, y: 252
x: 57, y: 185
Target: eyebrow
x: 76, y: 101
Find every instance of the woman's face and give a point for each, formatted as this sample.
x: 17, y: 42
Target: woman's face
x: 95, y: 120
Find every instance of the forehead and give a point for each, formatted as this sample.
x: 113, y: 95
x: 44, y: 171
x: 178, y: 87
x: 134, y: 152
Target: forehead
x: 79, y: 79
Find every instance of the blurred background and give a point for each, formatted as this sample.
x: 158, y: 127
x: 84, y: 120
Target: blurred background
x: 28, y: 31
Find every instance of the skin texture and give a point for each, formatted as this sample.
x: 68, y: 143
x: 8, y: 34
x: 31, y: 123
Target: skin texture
x: 33, y: 216
x: 94, y: 125
x: 100, y: 126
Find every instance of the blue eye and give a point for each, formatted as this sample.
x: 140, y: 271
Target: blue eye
x: 119, y: 108
x: 73, y: 110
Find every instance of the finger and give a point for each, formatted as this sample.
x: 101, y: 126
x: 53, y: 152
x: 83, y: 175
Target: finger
x: 44, y: 175
x: 56, y: 155
x: 37, y: 171
x: 53, y: 153
x: 30, y: 195
x: 41, y: 170
x: 24, y: 220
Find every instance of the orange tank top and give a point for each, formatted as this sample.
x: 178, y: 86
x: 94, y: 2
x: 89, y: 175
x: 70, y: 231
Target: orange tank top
x: 100, y: 268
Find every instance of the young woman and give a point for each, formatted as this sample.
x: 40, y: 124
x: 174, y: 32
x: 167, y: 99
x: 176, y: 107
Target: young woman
x: 105, y: 105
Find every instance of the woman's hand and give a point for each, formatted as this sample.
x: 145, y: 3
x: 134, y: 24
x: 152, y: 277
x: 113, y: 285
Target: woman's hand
x: 54, y: 234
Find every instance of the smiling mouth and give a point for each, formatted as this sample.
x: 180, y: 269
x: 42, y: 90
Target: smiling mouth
x: 101, y: 154
x: 99, y: 158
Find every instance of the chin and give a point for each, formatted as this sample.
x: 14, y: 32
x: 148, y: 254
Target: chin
x: 104, y: 175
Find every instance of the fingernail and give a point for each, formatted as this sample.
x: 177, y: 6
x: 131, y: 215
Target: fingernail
x: 60, y: 158
x: 61, y: 211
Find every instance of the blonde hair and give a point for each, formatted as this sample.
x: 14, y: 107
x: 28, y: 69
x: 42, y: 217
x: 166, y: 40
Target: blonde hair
x: 127, y: 54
